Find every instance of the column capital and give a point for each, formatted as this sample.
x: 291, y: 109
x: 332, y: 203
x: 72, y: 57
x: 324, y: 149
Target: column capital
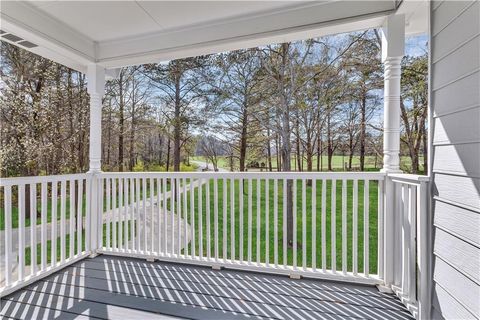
x: 96, y: 79
x: 393, y: 37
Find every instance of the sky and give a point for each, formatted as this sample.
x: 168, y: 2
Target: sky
x: 416, y: 45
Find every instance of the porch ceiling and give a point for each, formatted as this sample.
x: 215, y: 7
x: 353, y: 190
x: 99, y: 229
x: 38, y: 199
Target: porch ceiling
x: 119, y: 33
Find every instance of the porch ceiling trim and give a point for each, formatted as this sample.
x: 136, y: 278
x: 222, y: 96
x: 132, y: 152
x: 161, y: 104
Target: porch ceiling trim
x: 60, y: 42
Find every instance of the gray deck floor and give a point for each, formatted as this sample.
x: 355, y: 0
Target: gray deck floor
x: 124, y: 288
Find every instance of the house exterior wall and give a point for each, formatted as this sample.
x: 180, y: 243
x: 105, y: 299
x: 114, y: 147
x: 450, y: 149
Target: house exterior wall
x: 455, y: 103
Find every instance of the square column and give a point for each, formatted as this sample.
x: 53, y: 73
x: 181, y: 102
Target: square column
x: 393, y: 50
x: 96, y: 90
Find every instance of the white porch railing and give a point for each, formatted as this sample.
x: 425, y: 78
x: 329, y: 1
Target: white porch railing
x: 222, y: 219
x: 239, y: 220
x: 410, y: 282
x: 55, y: 235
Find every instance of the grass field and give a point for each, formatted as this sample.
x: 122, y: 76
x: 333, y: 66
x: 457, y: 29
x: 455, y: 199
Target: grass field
x: 245, y: 224
x: 259, y: 253
x: 337, y: 163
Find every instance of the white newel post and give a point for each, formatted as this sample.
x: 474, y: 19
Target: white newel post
x: 96, y: 89
x: 393, y: 48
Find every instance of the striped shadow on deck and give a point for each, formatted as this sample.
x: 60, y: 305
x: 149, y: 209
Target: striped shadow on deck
x: 127, y: 288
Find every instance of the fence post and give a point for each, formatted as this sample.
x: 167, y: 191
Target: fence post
x: 424, y: 251
x: 388, y: 234
x: 92, y: 219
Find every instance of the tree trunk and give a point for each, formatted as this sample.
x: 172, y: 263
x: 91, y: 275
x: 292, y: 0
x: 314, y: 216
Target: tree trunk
x: 168, y: 154
x: 177, y: 124
x: 363, y: 127
x: 329, y: 143
x: 121, y: 122
x: 269, y: 147
x: 243, y: 138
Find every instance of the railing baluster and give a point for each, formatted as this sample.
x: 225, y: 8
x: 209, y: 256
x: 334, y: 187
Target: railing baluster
x: 249, y: 222
x: 366, y: 227
x: 267, y: 221
x: 324, y: 225
x: 397, y: 235
x: 192, y: 216
x: 172, y: 216
x: 304, y: 224
x: 8, y: 234
x: 224, y: 233
x: 344, y: 226
x: 207, y: 207
x: 240, y: 199
x: 412, y: 282
x: 21, y: 232
x: 215, y: 217
x: 43, y: 213
x: 159, y: 213
x: 152, y: 217
x: 405, y: 238
x: 115, y: 214
x: 275, y: 222
x: 380, y: 228
x: 232, y: 219
x: 138, y: 217
x: 108, y: 212
x: 355, y: 228
x: 71, y: 236
x: 79, y: 218
x: 179, y: 217
x: 314, y: 224
x: 285, y: 252
x: 165, y: 216
x: 133, y: 214
x: 88, y: 212
x: 54, y: 222
x: 99, y: 216
x: 63, y: 195
x: 333, y: 225
x: 185, y: 217
x: 144, y: 218
x: 128, y: 245
x: 259, y: 187
x: 121, y: 212
x: 200, y: 218
x: 294, y: 231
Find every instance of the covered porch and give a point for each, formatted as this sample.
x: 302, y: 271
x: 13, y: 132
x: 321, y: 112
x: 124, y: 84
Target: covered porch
x: 361, y: 239
x: 124, y: 288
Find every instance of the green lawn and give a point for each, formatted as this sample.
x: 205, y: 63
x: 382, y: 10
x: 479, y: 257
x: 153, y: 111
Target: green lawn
x: 337, y: 163
x: 373, y: 197
x: 262, y: 255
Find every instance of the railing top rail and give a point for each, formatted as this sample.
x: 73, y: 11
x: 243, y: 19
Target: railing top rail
x: 250, y: 175
x: 408, y: 178
x: 39, y: 179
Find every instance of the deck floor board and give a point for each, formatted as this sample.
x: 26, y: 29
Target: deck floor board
x: 109, y: 287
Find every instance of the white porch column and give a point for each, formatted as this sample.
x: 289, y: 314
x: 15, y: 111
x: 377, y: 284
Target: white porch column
x: 393, y: 48
x: 96, y: 89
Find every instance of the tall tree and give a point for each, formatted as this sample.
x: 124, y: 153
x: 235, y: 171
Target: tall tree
x: 413, y: 106
x: 180, y: 88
